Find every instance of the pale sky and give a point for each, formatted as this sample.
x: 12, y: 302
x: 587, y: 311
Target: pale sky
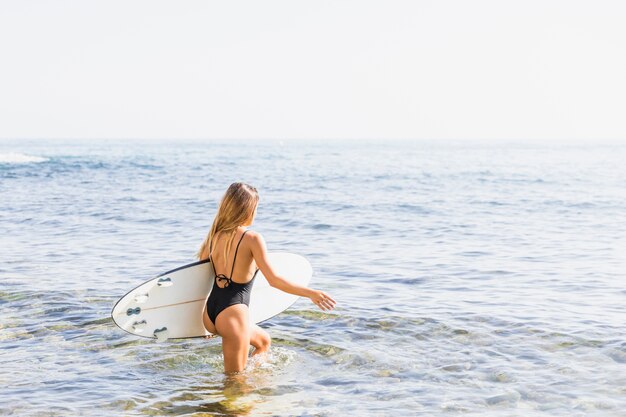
x: 317, y: 69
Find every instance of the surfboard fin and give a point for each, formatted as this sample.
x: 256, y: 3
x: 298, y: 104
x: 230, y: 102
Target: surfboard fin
x: 139, y: 326
x: 132, y: 311
x: 164, y: 282
x: 141, y: 298
x: 161, y: 334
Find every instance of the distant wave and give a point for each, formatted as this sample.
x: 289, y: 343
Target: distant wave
x: 20, y: 158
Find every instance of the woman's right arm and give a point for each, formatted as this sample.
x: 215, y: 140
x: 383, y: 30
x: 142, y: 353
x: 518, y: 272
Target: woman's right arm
x: 259, y: 252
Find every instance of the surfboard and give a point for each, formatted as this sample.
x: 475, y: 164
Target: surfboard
x: 170, y: 306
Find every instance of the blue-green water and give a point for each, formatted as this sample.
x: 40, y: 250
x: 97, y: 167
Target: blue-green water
x: 471, y: 278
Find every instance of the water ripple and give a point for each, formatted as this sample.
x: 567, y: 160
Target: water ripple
x: 466, y: 283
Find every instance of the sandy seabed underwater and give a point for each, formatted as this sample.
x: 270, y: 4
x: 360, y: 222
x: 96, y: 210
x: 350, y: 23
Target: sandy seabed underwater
x: 472, y: 278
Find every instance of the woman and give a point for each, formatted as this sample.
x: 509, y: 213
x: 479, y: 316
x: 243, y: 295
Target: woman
x: 226, y: 311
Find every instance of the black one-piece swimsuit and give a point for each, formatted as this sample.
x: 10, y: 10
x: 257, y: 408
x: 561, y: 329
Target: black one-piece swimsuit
x: 232, y: 293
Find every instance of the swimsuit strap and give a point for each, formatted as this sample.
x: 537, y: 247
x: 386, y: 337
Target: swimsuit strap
x: 211, y: 260
x: 233, y: 268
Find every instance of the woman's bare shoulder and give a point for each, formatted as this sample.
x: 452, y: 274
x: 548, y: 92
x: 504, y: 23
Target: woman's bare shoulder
x: 255, y: 238
x: 253, y: 235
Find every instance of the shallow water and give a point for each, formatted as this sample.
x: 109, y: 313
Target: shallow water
x: 471, y: 278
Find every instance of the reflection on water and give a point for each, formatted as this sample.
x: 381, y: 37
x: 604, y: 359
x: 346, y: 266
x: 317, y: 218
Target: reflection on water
x: 227, y: 395
x: 230, y: 398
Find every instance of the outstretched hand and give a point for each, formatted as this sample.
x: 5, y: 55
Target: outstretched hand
x: 322, y: 300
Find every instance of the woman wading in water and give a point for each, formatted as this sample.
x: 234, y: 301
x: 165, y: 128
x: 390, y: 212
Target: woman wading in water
x: 226, y: 311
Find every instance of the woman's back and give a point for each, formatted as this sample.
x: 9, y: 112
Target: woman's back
x: 240, y: 252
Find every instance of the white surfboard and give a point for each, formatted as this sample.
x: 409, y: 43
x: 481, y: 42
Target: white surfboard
x: 170, y: 306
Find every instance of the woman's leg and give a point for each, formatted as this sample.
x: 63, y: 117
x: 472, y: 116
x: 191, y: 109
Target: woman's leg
x: 260, y: 339
x: 232, y: 324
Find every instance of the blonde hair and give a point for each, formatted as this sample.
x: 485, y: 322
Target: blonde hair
x: 236, y: 208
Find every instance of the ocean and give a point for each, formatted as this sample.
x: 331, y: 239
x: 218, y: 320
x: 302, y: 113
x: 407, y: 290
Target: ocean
x: 482, y: 278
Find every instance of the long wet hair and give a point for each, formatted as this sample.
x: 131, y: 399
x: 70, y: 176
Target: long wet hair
x: 236, y: 208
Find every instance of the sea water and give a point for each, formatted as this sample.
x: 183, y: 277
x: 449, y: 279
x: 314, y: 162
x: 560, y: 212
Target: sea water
x: 471, y: 278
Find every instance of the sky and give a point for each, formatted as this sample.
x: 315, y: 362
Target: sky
x: 294, y: 69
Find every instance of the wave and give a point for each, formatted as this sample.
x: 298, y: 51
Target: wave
x: 20, y: 158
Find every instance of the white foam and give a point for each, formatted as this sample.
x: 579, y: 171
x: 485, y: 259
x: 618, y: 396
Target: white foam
x: 19, y: 158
